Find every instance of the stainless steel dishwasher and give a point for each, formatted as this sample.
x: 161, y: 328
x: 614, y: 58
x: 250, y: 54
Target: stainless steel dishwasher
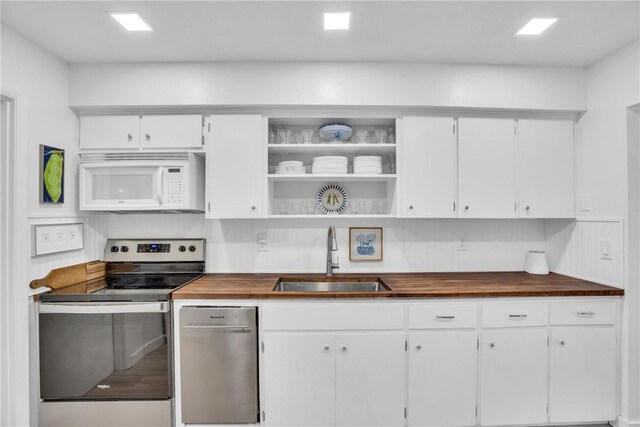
x: 219, y: 365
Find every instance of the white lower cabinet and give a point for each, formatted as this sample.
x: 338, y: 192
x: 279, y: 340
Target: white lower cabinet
x: 442, y: 378
x: 299, y: 379
x: 513, y: 383
x: 582, y: 374
x: 334, y: 380
x: 536, y: 362
x: 370, y: 371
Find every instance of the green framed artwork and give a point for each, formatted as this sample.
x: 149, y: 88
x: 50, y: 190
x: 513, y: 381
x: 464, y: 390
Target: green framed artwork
x: 51, y: 174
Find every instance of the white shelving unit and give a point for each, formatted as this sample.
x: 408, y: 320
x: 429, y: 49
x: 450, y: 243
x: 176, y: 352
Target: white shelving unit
x: 369, y: 195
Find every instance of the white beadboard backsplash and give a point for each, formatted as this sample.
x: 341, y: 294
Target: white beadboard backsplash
x: 573, y: 248
x: 299, y: 245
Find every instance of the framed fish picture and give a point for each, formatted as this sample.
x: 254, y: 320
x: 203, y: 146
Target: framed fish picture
x: 51, y: 174
x: 365, y: 244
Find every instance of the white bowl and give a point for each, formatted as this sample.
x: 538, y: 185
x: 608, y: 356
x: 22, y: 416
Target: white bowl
x: 335, y: 133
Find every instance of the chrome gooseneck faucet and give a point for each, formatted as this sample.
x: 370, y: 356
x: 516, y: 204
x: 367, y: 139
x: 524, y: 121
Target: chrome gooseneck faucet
x: 332, y: 252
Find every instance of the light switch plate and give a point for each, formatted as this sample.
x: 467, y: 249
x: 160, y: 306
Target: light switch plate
x: 606, y: 248
x: 54, y: 238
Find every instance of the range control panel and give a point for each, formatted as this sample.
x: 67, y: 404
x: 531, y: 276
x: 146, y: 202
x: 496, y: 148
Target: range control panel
x: 154, y: 247
x: 159, y: 250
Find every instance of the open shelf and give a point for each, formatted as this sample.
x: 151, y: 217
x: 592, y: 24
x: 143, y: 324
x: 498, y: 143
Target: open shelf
x: 350, y: 177
x: 346, y: 216
x: 346, y: 149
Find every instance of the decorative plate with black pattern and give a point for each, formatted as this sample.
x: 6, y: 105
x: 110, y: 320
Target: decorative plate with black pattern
x: 332, y: 199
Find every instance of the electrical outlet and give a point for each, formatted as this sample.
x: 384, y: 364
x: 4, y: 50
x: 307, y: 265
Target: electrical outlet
x: 263, y: 245
x: 606, y: 249
x: 462, y: 243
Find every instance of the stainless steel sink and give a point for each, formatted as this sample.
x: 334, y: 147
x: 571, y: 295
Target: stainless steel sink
x: 344, y: 285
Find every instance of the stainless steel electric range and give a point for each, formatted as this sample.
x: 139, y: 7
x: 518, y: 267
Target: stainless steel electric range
x: 105, y: 345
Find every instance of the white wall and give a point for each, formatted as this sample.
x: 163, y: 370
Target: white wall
x: 365, y: 84
x: 612, y: 85
x: 40, y: 83
x: 633, y: 288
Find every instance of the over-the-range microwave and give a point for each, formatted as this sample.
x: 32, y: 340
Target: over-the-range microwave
x: 142, y: 181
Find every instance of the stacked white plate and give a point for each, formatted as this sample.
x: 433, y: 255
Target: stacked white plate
x: 329, y: 165
x: 367, y: 165
x: 290, y: 167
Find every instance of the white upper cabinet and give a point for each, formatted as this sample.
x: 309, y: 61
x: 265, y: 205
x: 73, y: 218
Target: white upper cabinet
x: 487, y: 154
x: 545, y: 169
x: 135, y: 131
x: 171, y: 131
x: 236, y: 171
x: 110, y: 131
x: 428, y: 167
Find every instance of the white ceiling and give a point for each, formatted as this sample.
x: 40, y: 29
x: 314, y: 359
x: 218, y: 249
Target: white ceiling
x: 384, y: 31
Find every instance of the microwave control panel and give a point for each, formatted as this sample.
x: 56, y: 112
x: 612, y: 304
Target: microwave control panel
x: 174, y: 183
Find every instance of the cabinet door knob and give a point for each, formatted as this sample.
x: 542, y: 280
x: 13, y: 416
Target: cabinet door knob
x: 344, y: 348
x: 148, y: 136
x: 466, y: 208
x: 561, y: 342
x: 418, y: 347
x: 491, y: 345
x: 410, y: 207
x: 327, y: 348
x: 253, y: 207
x: 527, y: 207
x: 129, y: 137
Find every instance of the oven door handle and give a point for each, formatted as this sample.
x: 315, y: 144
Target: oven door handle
x: 103, y: 308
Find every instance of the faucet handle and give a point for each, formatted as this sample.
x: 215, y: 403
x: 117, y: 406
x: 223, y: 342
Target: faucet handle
x: 335, y: 259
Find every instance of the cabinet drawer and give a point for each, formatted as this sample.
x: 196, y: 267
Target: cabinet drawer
x: 443, y: 316
x: 325, y: 317
x: 514, y: 315
x: 583, y: 313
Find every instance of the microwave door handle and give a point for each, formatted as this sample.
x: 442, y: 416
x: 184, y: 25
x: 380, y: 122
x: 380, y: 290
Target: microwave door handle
x: 160, y: 186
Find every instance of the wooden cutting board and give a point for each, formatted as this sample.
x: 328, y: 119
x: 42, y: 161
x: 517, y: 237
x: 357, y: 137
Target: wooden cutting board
x: 66, y: 276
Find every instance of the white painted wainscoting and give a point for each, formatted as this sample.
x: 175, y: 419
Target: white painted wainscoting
x: 299, y: 245
x: 573, y: 248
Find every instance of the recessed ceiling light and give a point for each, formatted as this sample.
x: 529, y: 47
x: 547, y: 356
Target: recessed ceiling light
x: 131, y: 21
x: 536, y: 26
x: 337, y: 20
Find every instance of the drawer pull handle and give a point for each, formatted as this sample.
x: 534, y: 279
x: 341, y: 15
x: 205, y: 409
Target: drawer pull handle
x: 447, y: 317
x: 517, y: 316
x: 586, y: 313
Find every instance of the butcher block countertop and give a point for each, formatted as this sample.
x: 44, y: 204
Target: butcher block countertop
x: 402, y: 285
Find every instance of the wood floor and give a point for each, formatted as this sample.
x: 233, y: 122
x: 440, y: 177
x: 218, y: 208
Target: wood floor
x: 147, y: 379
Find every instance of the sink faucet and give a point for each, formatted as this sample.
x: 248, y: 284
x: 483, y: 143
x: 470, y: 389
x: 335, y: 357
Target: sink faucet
x: 332, y: 252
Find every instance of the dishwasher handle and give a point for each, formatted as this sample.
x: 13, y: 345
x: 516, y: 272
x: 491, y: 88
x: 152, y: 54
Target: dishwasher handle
x: 216, y: 327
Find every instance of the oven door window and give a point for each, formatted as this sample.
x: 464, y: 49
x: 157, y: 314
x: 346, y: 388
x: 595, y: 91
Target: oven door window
x: 104, y: 356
